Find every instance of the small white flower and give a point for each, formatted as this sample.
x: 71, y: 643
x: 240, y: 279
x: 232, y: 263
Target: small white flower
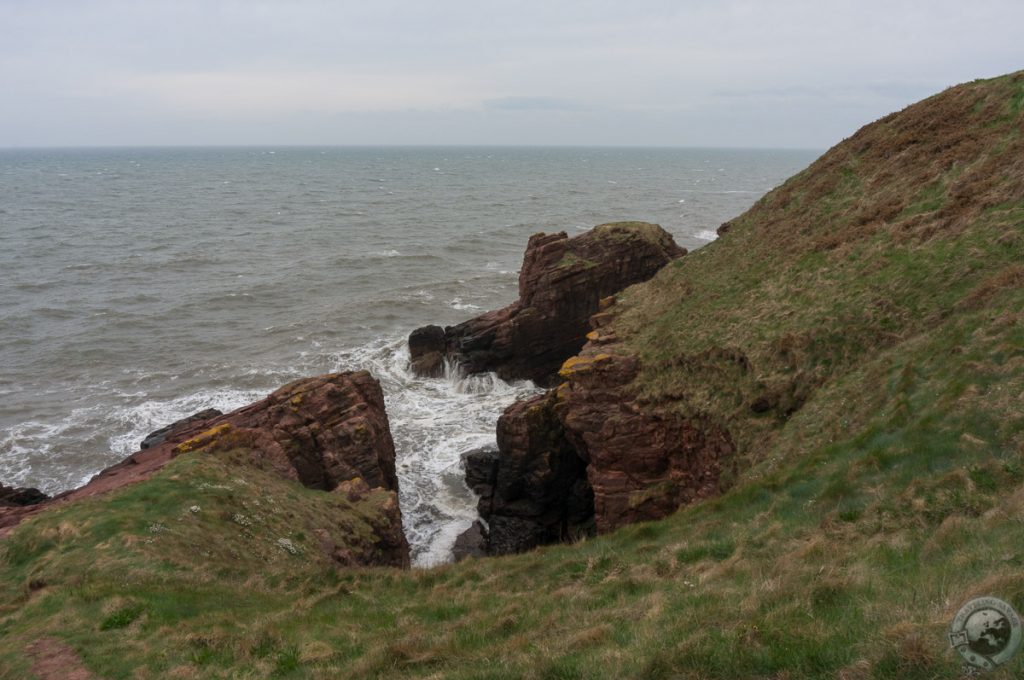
x: 286, y: 544
x: 194, y: 509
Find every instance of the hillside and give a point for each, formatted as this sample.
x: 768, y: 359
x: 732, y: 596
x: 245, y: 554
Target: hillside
x: 857, y: 337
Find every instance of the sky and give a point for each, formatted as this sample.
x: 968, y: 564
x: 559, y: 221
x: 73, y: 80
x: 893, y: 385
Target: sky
x: 698, y: 73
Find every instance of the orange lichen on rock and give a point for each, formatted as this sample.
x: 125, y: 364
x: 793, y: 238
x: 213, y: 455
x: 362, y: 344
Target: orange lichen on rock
x: 202, y: 440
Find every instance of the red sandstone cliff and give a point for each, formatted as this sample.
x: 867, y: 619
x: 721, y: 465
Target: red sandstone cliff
x: 561, y: 283
x: 329, y: 432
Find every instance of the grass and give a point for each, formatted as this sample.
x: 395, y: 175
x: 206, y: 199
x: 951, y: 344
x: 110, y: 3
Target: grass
x: 873, y: 303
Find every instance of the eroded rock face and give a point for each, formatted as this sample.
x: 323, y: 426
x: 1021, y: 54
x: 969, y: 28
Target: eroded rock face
x: 329, y: 432
x: 589, y: 456
x: 643, y: 461
x: 561, y: 283
x: 534, y: 490
x: 320, y: 431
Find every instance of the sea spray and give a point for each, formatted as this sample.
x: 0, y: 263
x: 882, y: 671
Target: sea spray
x: 433, y: 422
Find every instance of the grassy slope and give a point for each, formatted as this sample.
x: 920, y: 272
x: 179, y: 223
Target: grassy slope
x: 880, y: 291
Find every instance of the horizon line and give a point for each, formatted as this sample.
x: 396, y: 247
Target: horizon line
x: 96, y: 147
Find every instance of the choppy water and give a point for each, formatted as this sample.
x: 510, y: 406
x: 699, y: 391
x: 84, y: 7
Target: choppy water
x: 139, y: 286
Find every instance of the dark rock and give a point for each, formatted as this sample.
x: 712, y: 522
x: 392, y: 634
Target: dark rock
x: 158, y: 436
x: 481, y: 471
x: 510, y: 535
x: 21, y: 497
x: 425, y: 340
x: 427, y: 351
x: 471, y: 543
x: 538, y: 492
x: 588, y: 458
x: 561, y: 284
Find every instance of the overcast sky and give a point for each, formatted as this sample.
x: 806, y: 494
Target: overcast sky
x: 734, y: 73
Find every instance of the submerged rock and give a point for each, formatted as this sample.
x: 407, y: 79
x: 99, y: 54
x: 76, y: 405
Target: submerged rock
x: 561, y: 283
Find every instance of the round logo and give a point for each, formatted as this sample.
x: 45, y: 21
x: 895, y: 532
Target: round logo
x: 986, y: 632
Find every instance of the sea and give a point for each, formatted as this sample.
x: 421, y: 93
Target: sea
x: 140, y: 285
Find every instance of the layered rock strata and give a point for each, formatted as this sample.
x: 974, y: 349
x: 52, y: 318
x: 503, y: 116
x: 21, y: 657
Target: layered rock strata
x: 644, y: 461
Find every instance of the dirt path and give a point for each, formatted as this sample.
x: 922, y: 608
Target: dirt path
x: 54, y: 660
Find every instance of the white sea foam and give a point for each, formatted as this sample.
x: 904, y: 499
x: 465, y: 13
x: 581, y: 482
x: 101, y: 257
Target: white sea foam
x: 706, y: 235
x: 433, y: 422
x: 138, y: 420
x: 457, y: 303
x: 722, y: 192
x: 19, y: 444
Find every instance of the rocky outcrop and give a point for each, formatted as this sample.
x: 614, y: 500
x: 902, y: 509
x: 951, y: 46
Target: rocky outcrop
x: 589, y: 457
x: 329, y: 432
x: 379, y: 508
x: 320, y: 431
x: 561, y: 282
x: 471, y: 543
x: 158, y: 436
x: 427, y: 350
x: 644, y: 461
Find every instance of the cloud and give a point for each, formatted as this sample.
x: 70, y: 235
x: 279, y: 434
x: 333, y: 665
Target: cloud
x: 790, y: 92
x: 533, y: 104
x: 248, y: 94
x: 701, y: 72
